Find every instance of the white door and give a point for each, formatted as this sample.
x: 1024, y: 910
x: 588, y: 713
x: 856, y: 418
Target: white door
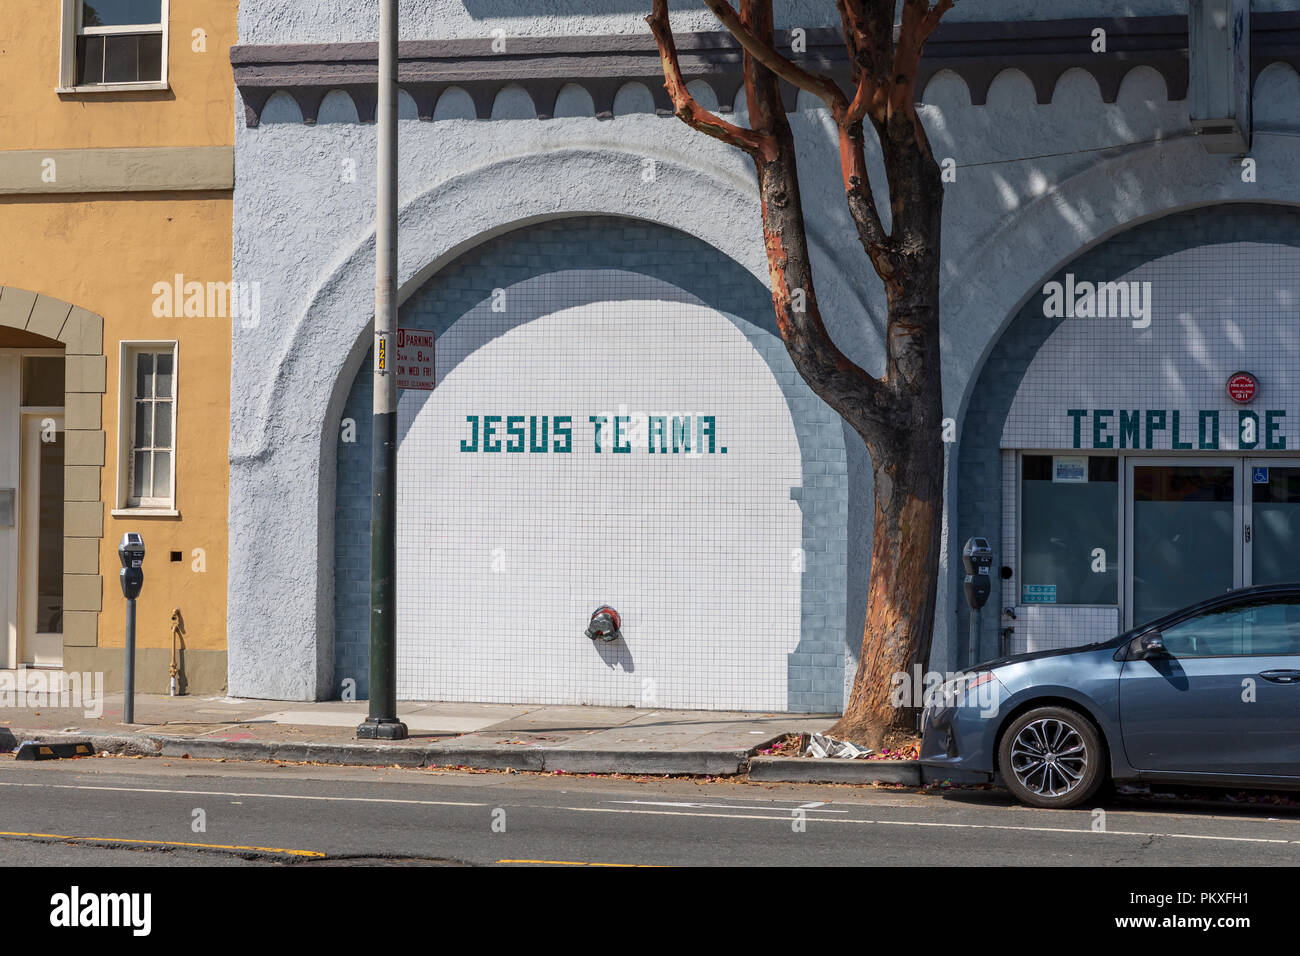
x: 40, y: 531
x: 10, y: 446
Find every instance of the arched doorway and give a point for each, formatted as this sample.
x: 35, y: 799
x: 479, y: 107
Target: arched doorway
x: 1104, y: 452
x: 603, y: 435
x: 52, y: 380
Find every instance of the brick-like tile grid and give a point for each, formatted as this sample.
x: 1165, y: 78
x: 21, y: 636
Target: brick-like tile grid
x: 982, y: 494
x: 815, y: 670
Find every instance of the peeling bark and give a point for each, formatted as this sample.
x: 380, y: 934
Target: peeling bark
x: 898, y: 415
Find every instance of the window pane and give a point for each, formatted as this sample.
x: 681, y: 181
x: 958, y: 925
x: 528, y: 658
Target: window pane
x: 150, y: 57
x: 162, y: 431
x: 1272, y: 630
x: 1064, y: 524
x: 1275, y: 548
x: 140, y: 475
x: 49, y: 576
x: 118, y: 13
x: 121, y: 58
x: 144, y: 424
x: 143, y: 374
x: 162, y: 474
x: 1183, y: 529
x: 90, y: 60
x: 1206, y: 635
x: 165, y: 360
x: 1261, y: 629
x: 42, y: 381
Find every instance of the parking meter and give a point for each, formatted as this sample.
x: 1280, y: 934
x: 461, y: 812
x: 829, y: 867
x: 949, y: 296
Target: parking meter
x: 977, y: 556
x: 131, y: 553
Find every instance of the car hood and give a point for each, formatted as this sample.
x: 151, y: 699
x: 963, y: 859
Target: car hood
x: 1041, y: 655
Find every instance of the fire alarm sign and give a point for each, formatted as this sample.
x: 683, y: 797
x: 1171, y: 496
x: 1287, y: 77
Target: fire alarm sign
x: 1242, y: 387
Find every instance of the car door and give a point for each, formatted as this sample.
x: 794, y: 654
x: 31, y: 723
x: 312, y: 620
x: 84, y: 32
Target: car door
x: 1224, y: 698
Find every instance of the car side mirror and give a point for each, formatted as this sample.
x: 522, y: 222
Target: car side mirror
x: 1152, y: 644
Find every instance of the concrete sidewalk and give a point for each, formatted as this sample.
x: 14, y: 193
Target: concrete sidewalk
x: 480, y: 736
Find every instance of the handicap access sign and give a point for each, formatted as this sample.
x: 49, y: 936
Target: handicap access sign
x: 1259, y: 476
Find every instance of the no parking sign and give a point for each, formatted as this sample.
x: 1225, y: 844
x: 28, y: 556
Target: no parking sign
x: 413, y: 359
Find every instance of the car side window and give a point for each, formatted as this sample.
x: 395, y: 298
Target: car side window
x: 1266, y: 628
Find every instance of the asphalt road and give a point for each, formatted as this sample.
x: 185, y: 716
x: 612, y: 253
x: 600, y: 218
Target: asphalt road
x: 114, y: 811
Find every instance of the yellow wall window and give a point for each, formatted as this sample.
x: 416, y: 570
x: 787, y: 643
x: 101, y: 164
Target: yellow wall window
x: 114, y: 45
x: 146, y: 476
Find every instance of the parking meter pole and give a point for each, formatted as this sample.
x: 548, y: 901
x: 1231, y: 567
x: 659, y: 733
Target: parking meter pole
x: 382, y: 722
x: 977, y: 558
x: 131, y: 553
x: 973, y: 652
x: 128, y: 704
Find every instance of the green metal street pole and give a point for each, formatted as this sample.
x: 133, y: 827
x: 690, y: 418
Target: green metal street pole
x: 382, y: 722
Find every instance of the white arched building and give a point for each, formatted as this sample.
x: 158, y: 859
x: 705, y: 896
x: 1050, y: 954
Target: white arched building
x: 587, y: 263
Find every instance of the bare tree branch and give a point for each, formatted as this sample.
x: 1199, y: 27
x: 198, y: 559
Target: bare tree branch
x: 687, y: 108
x: 833, y: 375
x: 765, y: 52
x: 918, y: 22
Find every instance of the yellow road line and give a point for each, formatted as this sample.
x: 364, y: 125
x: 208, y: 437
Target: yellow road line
x: 200, y: 846
x: 575, y: 863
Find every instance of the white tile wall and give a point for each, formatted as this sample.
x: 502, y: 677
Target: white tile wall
x: 698, y: 552
x: 1042, y: 627
x: 1216, y: 310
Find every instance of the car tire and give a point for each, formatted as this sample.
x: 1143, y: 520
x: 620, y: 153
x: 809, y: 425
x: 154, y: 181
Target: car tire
x: 1052, y: 757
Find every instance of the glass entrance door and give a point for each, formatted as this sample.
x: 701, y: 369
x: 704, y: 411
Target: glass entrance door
x: 1183, y: 540
x: 1272, y: 522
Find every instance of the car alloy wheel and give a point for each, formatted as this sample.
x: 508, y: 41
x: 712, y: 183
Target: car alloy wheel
x: 1049, y: 757
x: 1052, y: 757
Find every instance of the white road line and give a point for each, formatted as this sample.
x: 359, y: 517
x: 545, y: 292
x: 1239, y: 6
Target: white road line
x: 957, y: 826
x: 722, y: 806
x: 669, y: 813
x: 233, y: 793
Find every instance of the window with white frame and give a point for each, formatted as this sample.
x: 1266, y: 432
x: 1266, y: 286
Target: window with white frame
x: 148, y: 428
x: 114, y: 44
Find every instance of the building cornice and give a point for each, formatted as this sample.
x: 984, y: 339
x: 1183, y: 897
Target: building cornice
x: 1041, y: 49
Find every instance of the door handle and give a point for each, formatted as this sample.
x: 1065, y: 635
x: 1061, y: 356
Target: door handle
x: 1281, y: 676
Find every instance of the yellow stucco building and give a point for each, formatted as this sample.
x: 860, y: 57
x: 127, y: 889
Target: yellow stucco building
x: 116, y: 178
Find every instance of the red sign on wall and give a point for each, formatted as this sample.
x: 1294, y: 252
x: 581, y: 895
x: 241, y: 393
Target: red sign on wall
x: 1242, y: 387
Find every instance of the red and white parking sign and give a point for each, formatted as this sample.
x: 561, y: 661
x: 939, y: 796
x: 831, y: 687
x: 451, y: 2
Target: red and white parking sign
x: 413, y: 359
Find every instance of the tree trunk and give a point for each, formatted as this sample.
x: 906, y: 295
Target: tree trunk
x: 898, y: 415
x: 901, y: 598
x: 907, y: 463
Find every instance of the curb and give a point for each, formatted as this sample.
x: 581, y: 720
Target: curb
x: 694, y: 762
x: 711, y: 763
x: 823, y: 770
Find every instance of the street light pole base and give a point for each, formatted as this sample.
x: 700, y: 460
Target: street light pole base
x: 381, y: 728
